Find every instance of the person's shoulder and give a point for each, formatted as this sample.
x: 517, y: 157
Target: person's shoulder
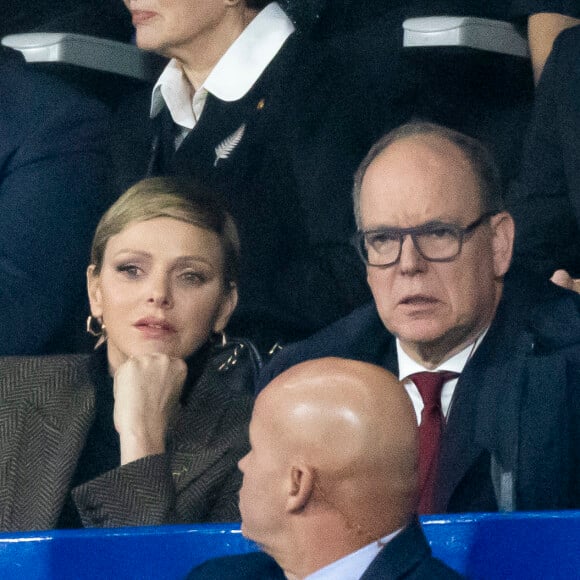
x: 48, y: 363
x: 354, y: 336
x: 408, y: 555
x: 30, y: 95
x: 568, y: 41
x: 240, y: 567
x: 549, y: 312
x: 43, y: 376
x: 230, y: 368
x: 434, y: 569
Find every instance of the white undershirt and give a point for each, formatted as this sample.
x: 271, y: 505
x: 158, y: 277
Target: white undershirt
x: 231, y: 78
x: 353, y: 566
x: 407, y: 366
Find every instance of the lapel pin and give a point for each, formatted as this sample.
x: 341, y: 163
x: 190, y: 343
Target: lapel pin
x: 227, y: 146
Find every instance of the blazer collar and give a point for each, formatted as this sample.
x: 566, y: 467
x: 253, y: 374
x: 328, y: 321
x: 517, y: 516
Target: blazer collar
x: 400, y: 556
x: 486, y: 404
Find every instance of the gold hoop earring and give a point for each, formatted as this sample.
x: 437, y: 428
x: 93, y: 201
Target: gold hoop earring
x: 100, y: 332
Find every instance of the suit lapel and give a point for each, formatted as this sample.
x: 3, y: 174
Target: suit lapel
x: 201, y: 435
x: 400, y: 556
x: 238, y: 129
x: 62, y: 451
x: 219, y: 123
x: 485, y: 406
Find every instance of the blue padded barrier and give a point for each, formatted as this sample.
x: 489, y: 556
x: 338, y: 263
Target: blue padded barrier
x: 518, y: 545
x: 164, y: 552
x: 542, y: 545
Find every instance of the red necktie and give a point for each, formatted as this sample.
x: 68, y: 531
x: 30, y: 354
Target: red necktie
x: 430, y: 429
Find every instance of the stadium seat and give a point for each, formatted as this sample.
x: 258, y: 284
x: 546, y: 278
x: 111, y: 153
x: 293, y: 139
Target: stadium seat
x: 84, y: 51
x: 105, y: 68
x: 466, y: 31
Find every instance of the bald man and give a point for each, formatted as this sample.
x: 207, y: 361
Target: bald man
x: 330, y: 482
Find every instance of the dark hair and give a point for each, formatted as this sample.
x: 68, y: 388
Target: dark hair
x: 182, y: 199
x: 478, y: 156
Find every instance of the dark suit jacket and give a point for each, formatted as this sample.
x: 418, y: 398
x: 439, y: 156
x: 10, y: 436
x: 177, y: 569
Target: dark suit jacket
x: 512, y: 436
x: 54, y: 167
x: 309, y: 120
x: 406, y: 556
x: 47, y: 406
x: 545, y: 199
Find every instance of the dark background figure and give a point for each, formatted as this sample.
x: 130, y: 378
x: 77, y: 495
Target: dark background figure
x: 106, y: 18
x: 545, y: 199
x: 54, y: 184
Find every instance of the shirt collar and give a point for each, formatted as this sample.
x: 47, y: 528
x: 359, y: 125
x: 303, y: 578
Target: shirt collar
x: 353, y: 565
x: 455, y: 364
x: 234, y: 74
x: 246, y: 59
x: 173, y: 89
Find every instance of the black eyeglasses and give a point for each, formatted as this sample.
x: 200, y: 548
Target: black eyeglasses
x: 435, y: 241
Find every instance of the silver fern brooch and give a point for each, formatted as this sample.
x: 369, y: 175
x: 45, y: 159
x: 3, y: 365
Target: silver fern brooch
x: 227, y: 146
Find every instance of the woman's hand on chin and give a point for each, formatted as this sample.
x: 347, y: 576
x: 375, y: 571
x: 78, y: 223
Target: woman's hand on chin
x: 147, y: 390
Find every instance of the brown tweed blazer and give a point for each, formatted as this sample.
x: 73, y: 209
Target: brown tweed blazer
x: 46, y: 410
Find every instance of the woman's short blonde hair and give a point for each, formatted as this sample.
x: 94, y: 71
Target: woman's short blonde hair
x: 182, y: 199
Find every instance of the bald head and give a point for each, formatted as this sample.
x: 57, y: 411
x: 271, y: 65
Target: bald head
x: 344, y: 417
x: 342, y: 436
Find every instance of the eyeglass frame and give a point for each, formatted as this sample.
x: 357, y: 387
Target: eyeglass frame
x: 461, y: 232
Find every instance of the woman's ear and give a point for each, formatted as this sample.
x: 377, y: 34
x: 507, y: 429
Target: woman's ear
x: 228, y: 305
x: 94, y: 291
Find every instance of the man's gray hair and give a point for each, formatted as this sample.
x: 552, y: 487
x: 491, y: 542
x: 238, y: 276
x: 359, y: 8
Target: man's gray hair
x: 480, y: 159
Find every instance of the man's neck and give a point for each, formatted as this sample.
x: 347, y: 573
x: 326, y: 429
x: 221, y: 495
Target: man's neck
x: 432, y: 356
x: 314, y: 549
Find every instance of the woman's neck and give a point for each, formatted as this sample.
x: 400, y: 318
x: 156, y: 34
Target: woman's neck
x: 199, y: 58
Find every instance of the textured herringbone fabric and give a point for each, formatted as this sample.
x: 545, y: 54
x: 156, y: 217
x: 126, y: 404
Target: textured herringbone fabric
x: 46, y: 410
x: 430, y: 429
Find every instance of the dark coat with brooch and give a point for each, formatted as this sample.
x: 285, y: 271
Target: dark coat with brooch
x: 47, y: 410
x: 512, y: 439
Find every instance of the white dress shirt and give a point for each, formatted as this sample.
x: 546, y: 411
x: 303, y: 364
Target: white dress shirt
x: 231, y: 78
x: 407, y: 366
x: 353, y: 566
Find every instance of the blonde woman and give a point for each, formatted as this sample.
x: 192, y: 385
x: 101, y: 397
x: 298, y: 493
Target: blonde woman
x: 149, y: 428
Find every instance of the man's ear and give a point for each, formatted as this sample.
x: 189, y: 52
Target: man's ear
x: 503, y: 242
x: 229, y: 303
x: 301, y: 488
x: 94, y: 291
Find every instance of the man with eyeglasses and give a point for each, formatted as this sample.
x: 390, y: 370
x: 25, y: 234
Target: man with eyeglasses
x: 492, y: 368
